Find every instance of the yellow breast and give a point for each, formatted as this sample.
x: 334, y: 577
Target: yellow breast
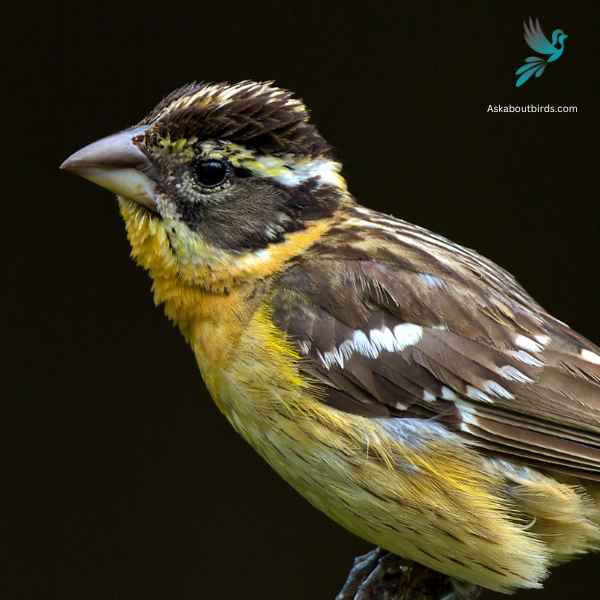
x: 432, y: 501
x: 425, y: 496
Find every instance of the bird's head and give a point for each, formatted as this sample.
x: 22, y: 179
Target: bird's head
x: 218, y: 182
x: 558, y: 37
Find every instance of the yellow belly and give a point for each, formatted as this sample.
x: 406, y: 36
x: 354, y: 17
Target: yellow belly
x: 417, y: 490
x: 419, y: 493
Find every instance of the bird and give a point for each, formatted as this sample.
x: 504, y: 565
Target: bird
x: 538, y: 42
x: 405, y: 385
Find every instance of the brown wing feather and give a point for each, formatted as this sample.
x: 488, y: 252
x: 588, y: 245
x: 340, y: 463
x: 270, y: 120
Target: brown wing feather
x: 472, y: 350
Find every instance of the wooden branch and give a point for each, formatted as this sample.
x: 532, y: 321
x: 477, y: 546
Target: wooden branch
x: 380, y: 575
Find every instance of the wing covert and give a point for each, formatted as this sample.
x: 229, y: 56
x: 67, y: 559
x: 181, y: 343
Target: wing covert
x: 474, y: 351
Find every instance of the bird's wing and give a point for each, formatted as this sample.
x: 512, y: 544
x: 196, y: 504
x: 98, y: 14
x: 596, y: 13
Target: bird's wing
x: 401, y: 322
x: 535, y: 38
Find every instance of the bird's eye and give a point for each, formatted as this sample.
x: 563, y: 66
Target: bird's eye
x: 212, y: 172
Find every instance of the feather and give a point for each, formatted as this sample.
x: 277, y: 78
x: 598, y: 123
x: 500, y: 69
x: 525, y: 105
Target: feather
x: 530, y: 64
x: 526, y: 75
x: 535, y: 38
x: 448, y: 335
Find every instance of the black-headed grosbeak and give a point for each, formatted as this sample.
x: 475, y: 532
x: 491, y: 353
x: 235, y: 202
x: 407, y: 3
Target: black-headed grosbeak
x: 405, y: 385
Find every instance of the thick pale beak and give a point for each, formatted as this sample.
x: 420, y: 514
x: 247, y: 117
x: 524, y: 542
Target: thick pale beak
x: 117, y: 164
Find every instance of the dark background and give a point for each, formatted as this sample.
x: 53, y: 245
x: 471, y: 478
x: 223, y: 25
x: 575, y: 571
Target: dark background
x: 123, y: 480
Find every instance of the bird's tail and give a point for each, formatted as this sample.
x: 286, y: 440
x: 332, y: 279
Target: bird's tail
x: 534, y: 65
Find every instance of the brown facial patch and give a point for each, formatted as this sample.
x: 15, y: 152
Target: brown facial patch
x: 257, y: 212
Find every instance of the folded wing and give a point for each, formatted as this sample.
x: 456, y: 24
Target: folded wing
x: 407, y: 324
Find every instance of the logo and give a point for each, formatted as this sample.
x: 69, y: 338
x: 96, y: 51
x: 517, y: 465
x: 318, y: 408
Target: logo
x: 538, y: 42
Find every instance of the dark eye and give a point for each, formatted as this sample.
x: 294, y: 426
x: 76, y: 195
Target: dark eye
x: 212, y: 172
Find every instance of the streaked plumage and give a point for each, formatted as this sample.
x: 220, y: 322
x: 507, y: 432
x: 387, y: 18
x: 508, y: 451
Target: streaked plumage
x: 485, y: 357
x: 405, y: 385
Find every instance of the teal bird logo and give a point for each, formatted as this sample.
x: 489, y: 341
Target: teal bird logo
x: 538, y: 42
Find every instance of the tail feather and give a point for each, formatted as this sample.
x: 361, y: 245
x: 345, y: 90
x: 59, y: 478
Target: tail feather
x: 534, y: 65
